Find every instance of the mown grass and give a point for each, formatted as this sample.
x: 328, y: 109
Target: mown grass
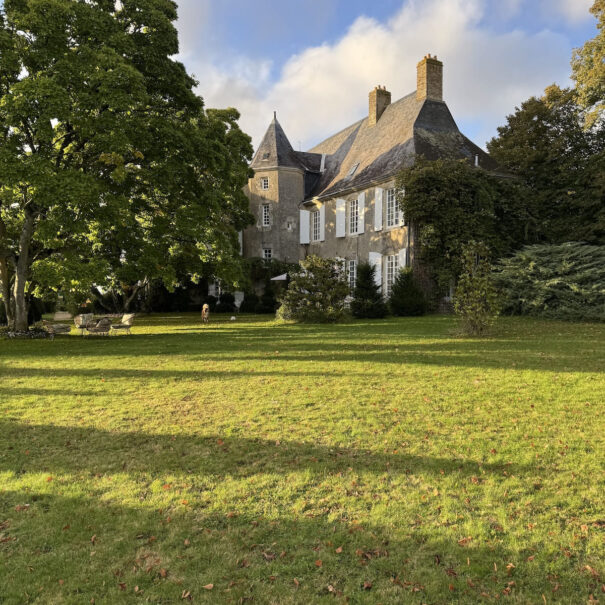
x: 374, y: 462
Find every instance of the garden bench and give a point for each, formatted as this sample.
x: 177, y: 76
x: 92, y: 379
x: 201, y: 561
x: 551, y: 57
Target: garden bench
x: 124, y: 325
x: 54, y: 329
x: 101, y: 327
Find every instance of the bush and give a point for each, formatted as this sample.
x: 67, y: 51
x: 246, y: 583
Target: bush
x: 407, y: 299
x: 267, y: 302
x: 249, y: 303
x: 475, y: 297
x: 316, y: 293
x: 226, y: 303
x: 367, y: 300
x: 565, y: 281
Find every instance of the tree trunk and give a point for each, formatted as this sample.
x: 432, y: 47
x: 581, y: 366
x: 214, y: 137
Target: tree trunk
x: 6, y: 292
x: 21, y: 272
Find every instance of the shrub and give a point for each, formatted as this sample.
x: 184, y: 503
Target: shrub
x: 367, y: 300
x: 249, y: 303
x: 267, y: 302
x: 565, y: 281
x: 226, y: 303
x: 475, y: 297
x: 407, y: 299
x: 316, y: 293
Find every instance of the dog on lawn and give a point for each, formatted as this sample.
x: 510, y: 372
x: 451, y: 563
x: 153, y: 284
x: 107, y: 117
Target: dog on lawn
x: 205, y: 313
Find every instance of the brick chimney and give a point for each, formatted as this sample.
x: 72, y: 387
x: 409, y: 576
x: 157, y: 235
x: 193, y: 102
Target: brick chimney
x: 430, y: 79
x: 380, y: 99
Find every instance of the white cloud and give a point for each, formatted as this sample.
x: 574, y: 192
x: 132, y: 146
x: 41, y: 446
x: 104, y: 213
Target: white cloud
x: 574, y: 10
x: 325, y: 88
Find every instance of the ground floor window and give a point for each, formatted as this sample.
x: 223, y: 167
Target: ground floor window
x: 352, y: 273
x: 392, y: 268
x: 267, y: 253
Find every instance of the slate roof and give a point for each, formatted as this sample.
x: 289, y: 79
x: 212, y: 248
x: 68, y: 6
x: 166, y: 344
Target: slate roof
x: 407, y: 128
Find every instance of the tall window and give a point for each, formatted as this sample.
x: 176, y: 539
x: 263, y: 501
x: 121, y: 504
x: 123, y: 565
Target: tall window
x: 392, y: 268
x: 264, y: 183
x: 353, y: 217
x: 392, y: 209
x: 266, y: 216
x: 352, y: 273
x: 316, y: 224
x: 267, y: 253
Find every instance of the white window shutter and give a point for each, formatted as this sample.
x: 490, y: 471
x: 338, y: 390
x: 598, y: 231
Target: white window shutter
x: 401, y: 215
x: 322, y: 223
x: 403, y: 258
x: 340, y: 218
x: 362, y: 212
x: 375, y: 260
x: 305, y: 226
x: 378, y: 209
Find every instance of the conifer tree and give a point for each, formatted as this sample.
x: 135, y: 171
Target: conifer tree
x: 407, y: 299
x: 367, y: 299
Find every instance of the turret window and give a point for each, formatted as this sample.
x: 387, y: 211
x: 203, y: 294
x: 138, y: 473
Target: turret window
x: 266, y: 216
x: 264, y: 183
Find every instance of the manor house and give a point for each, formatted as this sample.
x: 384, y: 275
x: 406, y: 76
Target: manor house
x: 338, y: 199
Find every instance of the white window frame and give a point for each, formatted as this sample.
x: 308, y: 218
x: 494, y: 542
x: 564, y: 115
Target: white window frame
x: 391, y: 271
x: 268, y: 256
x: 264, y: 183
x: 352, y: 273
x: 266, y: 215
x: 353, y: 217
x: 315, y: 226
x: 393, y: 214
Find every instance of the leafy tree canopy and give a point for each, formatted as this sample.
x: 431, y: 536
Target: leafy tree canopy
x: 111, y: 169
x: 588, y: 65
x: 561, y: 163
x: 449, y: 203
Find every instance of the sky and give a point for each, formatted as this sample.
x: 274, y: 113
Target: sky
x: 315, y: 61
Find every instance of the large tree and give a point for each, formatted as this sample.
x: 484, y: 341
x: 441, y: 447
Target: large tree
x: 449, y: 203
x: 588, y: 65
x: 562, y: 163
x: 110, y: 168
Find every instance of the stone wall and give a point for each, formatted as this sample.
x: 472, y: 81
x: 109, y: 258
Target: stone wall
x: 286, y: 191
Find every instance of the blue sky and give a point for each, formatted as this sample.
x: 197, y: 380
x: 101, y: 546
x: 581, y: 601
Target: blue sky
x: 314, y: 61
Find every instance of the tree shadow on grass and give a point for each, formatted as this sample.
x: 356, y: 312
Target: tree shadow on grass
x: 59, y: 548
x: 76, y: 450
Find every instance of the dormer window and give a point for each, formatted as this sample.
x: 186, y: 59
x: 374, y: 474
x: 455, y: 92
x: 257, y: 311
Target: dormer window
x: 352, y: 171
x: 264, y: 183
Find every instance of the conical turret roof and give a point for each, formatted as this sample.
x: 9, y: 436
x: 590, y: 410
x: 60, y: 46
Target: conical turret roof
x: 275, y: 149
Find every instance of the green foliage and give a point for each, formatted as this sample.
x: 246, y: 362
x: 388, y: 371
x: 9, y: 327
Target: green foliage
x: 449, y: 202
x: 226, y: 303
x: 475, y: 300
x: 565, y: 281
x: 407, y: 298
x: 367, y: 298
x: 112, y: 170
x: 560, y: 163
x: 267, y: 302
x: 316, y: 293
x: 588, y: 65
x: 249, y: 303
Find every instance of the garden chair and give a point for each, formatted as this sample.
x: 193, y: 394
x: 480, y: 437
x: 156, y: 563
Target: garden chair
x: 101, y: 327
x: 83, y: 320
x: 124, y: 325
x: 54, y: 329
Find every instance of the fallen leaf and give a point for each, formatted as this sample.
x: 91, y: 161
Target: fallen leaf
x: 464, y: 541
x: 48, y: 479
x: 21, y: 507
x: 367, y: 585
x: 296, y: 583
x: 338, y: 550
x: 208, y: 587
x: 186, y: 542
x: 163, y: 573
x: 61, y: 582
x: 186, y: 595
x: 122, y: 586
x: 93, y: 539
x: 66, y: 527
x: 318, y: 563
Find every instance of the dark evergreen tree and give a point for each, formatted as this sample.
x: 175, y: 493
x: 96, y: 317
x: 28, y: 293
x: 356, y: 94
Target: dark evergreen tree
x: 407, y: 298
x: 367, y: 299
x: 268, y: 302
x: 249, y: 303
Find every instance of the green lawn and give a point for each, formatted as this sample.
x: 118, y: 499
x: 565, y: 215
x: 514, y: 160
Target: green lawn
x: 249, y: 462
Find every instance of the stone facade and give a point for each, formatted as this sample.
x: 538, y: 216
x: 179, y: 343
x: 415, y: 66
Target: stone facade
x: 278, y: 206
